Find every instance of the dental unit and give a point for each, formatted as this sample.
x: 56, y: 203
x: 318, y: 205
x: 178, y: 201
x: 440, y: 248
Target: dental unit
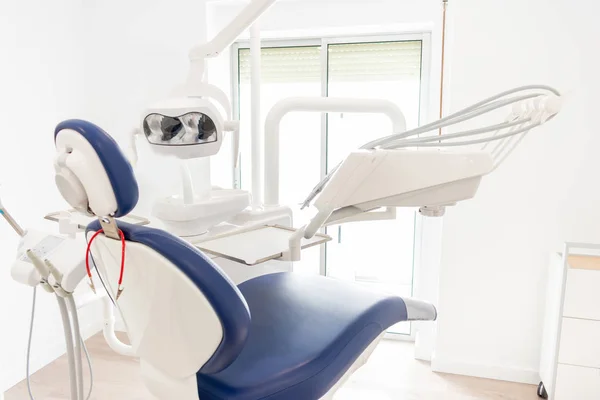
x: 211, y: 305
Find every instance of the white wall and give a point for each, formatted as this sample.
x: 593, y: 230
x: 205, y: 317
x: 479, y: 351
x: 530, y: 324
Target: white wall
x: 41, y: 83
x: 137, y: 53
x: 496, y: 247
x: 99, y: 60
x: 312, y: 17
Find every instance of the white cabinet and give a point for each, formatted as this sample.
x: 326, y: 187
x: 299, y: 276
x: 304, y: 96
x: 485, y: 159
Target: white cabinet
x: 582, y: 297
x: 577, y: 383
x: 570, y: 359
x: 580, y: 343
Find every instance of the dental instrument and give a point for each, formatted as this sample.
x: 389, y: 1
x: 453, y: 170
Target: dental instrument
x: 409, y: 168
x: 33, y: 266
x: 537, y: 107
x: 11, y: 221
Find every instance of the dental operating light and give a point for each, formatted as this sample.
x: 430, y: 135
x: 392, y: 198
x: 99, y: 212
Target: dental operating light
x: 189, y: 129
x: 185, y: 128
x: 198, y: 113
x: 191, y: 124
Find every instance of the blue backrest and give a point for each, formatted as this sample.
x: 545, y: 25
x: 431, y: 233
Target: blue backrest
x: 222, y: 294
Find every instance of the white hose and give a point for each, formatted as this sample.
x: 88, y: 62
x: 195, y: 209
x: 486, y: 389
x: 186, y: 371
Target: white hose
x: 69, y: 341
x: 503, y: 144
x: 461, y: 116
x: 493, y: 128
x: 485, y: 145
x: 474, y: 141
x: 77, y: 340
x: 31, y: 322
x: 29, y: 345
x: 89, y: 362
x: 501, y: 159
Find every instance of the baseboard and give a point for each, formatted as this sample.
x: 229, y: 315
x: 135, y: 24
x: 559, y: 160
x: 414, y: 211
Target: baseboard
x: 500, y: 373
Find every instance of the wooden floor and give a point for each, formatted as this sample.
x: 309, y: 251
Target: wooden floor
x: 391, y: 374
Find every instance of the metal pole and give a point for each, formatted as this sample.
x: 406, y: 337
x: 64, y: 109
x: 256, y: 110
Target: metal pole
x: 256, y: 134
x: 443, y: 69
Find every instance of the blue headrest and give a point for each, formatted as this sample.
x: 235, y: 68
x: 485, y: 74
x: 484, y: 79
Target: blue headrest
x: 118, y: 169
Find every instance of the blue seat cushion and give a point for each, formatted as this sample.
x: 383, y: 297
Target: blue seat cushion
x: 305, y: 333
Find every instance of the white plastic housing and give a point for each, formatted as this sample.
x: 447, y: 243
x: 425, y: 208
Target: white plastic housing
x: 368, y: 179
x: 65, y: 253
x: 171, y: 325
x: 197, y: 217
x: 176, y: 107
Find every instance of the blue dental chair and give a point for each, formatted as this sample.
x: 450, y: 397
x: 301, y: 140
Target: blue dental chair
x: 197, y: 335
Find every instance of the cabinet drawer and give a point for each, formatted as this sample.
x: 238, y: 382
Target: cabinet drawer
x: 577, y: 383
x: 582, y: 295
x: 580, y: 343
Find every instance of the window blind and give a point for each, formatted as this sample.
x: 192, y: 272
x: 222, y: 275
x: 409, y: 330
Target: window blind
x: 388, y: 61
x: 284, y: 64
x: 384, y: 61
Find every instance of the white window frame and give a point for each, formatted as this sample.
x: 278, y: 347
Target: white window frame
x: 426, y: 58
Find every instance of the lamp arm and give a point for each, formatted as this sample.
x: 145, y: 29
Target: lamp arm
x: 196, y: 88
x: 133, y: 155
x: 231, y: 32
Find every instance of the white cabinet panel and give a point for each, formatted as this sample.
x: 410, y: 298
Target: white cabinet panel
x: 582, y: 298
x: 577, y: 383
x: 580, y: 343
x: 570, y: 359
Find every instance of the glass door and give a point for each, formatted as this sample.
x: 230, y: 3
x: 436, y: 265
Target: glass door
x: 377, y: 254
x: 287, y: 71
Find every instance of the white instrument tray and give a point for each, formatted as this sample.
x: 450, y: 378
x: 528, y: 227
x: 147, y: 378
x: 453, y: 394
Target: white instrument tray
x: 256, y: 245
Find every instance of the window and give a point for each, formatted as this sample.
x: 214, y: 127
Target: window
x: 376, y: 254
